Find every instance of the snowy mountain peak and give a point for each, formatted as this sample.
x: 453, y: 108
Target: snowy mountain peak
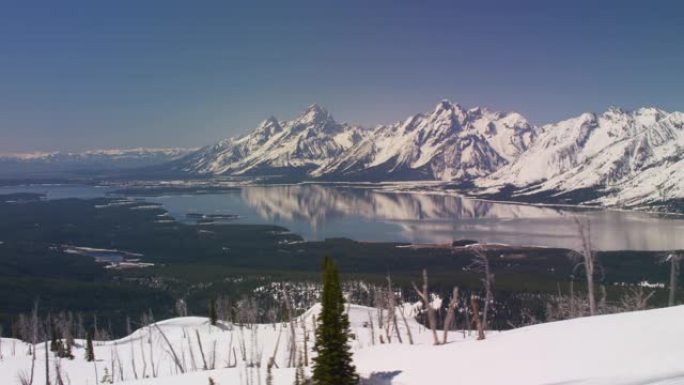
x: 270, y: 125
x: 271, y: 120
x: 447, y: 109
x: 444, y: 104
x: 294, y: 146
x: 650, y: 111
x: 314, y: 113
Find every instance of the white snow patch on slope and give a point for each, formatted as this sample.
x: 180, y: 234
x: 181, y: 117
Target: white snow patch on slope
x: 630, y: 348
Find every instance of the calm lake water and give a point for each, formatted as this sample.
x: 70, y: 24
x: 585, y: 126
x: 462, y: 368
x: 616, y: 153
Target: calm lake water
x: 322, y: 211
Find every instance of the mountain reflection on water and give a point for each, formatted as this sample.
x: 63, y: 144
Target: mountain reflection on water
x: 319, y: 211
x: 370, y: 214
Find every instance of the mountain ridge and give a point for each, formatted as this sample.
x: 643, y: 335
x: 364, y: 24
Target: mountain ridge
x: 628, y: 158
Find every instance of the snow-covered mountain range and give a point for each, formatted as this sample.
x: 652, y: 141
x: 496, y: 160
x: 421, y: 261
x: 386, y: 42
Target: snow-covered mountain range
x: 448, y: 143
x: 617, y: 158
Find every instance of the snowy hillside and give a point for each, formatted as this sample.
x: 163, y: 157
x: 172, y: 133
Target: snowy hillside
x: 630, y: 348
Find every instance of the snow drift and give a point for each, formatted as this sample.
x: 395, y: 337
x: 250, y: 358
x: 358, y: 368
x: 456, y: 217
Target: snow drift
x: 629, y: 348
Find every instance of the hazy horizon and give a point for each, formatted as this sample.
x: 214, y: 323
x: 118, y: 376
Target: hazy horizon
x: 80, y: 75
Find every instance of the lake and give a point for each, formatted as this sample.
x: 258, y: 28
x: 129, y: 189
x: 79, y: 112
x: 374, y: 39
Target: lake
x: 365, y: 213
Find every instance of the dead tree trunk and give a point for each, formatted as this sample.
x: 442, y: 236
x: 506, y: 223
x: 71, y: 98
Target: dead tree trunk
x: 488, y: 293
x: 201, y: 349
x: 292, y: 360
x: 372, y: 327
x: 406, y: 325
x: 476, y: 316
x: 584, y: 233
x: 47, y: 364
x: 674, y: 272
x: 481, y: 263
x: 306, y: 346
x: 425, y: 297
x: 573, y: 311
x: 453, y: 303
x: 391, y: 320
x: 396, y: 328
x: 172, y: 351
x: 467, y: 322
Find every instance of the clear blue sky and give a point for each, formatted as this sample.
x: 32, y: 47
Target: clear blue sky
x: 99, y: 74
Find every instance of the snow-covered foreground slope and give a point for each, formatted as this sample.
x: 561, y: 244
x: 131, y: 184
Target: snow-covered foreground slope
x: 630, y: 348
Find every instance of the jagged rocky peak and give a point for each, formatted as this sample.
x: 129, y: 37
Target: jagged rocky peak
x: 314, y: 114
x: 265, y: 131
x: 444, y: 105
x: 642, y: 115
x: 270, y: 126
x: 446, y: 109
x: 650, y: 111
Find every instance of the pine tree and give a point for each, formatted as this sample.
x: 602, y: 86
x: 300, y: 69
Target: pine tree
x: 213, y: 316
x: 90, y: 352
x: 54, y: 345
x: 333, y: 363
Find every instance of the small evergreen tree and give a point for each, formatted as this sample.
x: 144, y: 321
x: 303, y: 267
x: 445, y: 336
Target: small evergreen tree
x: 213, y: 315
x: 61, y: 351
x: 90, y: 352
x: 54, y: 344
x: 333, y: 362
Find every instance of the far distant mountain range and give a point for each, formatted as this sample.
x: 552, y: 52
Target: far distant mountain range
x: 69, y: 164
x: 618, y: 158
